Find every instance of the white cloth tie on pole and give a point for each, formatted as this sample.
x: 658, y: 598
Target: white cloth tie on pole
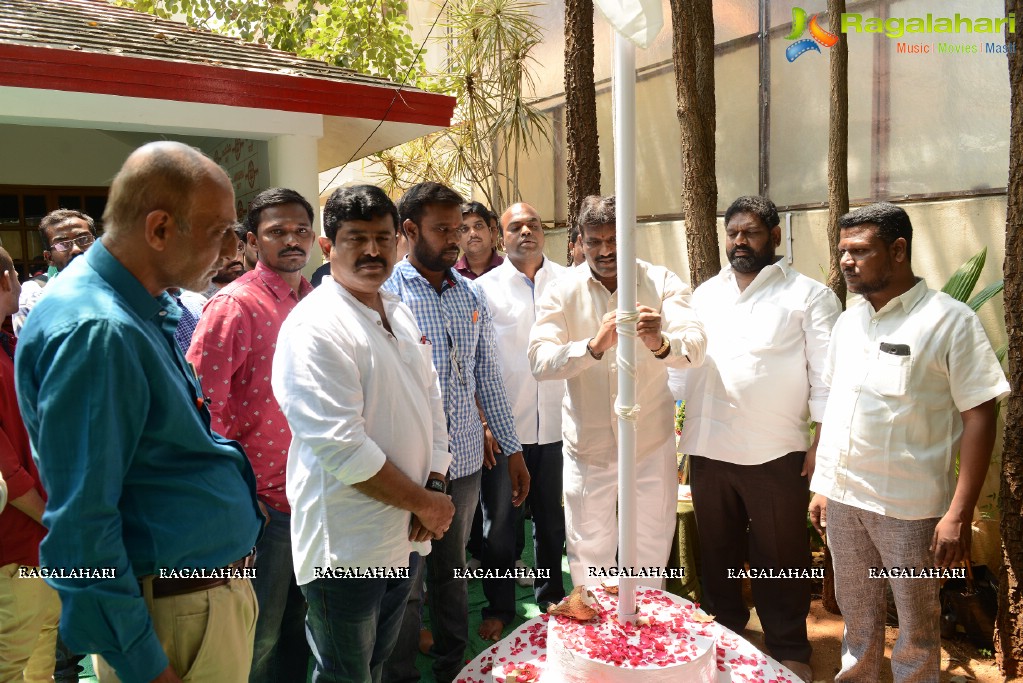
x: 626, y: 324
x: 639, y: 21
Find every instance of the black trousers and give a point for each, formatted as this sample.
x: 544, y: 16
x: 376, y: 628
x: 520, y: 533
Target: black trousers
x: 755, y: 513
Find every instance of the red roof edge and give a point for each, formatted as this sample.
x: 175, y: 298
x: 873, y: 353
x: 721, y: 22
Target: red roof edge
x: 90, y: 72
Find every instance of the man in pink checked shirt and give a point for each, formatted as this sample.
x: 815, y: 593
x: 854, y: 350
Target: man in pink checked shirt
x: 232, y: 350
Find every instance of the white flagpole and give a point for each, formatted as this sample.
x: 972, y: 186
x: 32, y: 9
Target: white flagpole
x: 625, y: 219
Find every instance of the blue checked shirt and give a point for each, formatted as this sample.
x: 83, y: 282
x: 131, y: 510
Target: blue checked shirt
x: 457, y: 322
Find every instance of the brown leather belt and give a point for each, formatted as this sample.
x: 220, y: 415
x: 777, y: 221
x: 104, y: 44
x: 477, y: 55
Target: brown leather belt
x: 169, y: 586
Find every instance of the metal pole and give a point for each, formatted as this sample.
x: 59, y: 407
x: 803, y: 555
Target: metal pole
x: 625, y: 219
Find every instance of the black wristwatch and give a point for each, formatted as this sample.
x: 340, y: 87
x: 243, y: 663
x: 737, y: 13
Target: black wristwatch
x: 436, y: 485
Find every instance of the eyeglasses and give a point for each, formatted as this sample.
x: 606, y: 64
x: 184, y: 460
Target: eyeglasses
x: 82, y: 241
x: 241, y: 247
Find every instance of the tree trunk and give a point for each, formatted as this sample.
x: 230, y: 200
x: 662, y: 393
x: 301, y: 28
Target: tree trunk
x: 838, y: 203
x: 692, y: 27
x: 1009, y: 623
x: 838, y: 145
x: 580, y: 107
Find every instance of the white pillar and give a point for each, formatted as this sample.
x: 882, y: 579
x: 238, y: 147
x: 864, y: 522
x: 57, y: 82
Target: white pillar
x: 293, y: 164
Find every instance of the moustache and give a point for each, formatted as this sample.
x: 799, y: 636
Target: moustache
x: 285, y: 252
x: 371, y: 260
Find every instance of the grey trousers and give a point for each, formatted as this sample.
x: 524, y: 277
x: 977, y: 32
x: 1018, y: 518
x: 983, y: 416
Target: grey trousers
x: 860, y: 540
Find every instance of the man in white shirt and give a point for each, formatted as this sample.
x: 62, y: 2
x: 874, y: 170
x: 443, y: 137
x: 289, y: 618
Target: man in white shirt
x: 914, y: 382
x: 747, y: 431
x: 513, y: 290
x: 574, y: 339
x: 350, y: 365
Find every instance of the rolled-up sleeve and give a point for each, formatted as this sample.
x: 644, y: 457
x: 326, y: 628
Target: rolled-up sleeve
x: 818, y: 321
x: 440, y: 454
x: 680, y: 325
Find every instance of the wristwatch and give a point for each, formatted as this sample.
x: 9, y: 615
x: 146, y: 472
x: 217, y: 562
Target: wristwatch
x: 436, y: 485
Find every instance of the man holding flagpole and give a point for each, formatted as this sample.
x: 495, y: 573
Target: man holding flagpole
x: 638, y: 22
x: 572, y: 339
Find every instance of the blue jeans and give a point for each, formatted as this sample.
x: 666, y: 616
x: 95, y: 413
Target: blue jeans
x: 499, y: 517
x: 280, y: 653
x: 352, y: 625
x: 448, y: 597
x: 544, y: 462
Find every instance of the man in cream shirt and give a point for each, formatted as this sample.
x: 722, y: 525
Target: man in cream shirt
x: 747, y: 431
x: 914, y: 382
x: 350, y: 366
x: 574, y: 339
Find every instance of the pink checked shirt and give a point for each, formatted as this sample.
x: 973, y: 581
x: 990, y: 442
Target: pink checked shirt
x: 232, y: 351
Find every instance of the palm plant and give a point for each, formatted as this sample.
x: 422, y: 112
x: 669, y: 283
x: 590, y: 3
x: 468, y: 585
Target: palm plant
x: 489, y: 71
x: 962, y: 283
x: 960, y: 286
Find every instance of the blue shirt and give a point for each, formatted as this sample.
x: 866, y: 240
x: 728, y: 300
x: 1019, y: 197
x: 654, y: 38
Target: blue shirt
x: 191, y: 304
x: 457, y: 322
x: 137, y: 480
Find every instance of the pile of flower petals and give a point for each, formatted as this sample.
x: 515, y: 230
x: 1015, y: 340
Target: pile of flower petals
x: 665, y: 628
x: 662, y: 635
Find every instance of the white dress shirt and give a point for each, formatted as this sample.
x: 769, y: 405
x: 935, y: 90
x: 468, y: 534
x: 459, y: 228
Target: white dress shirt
x: 570, y: 313
x: 536, y: 406
x: 900, y: 377
x: 354, y: 396
x: 750, y: 402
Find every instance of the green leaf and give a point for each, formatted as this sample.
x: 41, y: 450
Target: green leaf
x: 983, y: 295
x: 962, y: 282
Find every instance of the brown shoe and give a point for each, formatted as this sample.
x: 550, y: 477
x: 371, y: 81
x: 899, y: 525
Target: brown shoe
x: 801, y: 669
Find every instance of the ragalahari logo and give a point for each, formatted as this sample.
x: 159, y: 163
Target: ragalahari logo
x: 818, y: 35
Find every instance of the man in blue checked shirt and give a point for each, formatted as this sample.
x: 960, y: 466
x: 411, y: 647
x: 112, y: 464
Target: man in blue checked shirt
x: 455, y: 319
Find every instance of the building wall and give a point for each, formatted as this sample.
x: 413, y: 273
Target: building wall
x: 60, y: 156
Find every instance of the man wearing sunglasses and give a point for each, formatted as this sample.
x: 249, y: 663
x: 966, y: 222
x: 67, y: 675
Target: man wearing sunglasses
x: 68, y: 234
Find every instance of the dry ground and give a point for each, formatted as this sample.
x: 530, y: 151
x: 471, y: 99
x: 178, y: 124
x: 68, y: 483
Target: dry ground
x: 960, y: 661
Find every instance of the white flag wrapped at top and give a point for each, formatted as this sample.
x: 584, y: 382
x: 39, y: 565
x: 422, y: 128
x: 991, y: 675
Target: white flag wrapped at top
x: 637, y: 20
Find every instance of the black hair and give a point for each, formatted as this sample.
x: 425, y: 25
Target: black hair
x: 56, y: 218
x: 478, y: 209
x: 761, y: 207
x: 241, y: 231
x: 419, y: 196
x: 356, y: 203
x: 275, y: 196
x: 573, y: 234
x: 891, y: 221
x: 596, y: 210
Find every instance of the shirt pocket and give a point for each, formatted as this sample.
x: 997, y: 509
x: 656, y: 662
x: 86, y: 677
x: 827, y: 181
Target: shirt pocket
x: 890, y: 374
